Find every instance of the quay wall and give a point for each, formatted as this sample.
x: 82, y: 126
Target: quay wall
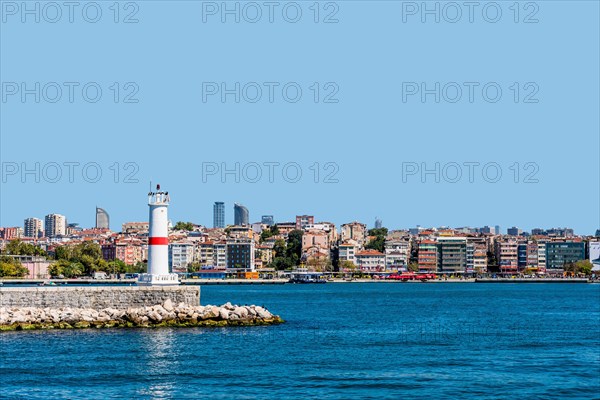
x: 98, y: 297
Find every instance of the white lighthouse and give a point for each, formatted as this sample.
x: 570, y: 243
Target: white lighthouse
x: 158, y: 242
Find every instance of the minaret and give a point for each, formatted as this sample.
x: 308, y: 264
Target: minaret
x: 158, y: 242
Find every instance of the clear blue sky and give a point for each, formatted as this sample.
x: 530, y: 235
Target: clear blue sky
x: 369, y: 133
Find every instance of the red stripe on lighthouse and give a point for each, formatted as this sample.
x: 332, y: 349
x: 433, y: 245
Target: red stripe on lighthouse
x: 152, y: 241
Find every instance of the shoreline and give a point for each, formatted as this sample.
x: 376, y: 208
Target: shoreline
x: 192, y: 282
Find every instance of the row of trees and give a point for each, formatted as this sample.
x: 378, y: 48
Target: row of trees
x: 17, y: 247
x: 86, y: 258
x: 10, y: 267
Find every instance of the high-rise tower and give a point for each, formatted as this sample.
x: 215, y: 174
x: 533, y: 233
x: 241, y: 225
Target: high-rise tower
x: 240, y: 215
x: 102, y: 219
x: 219, y: 214
x: 158, y: 242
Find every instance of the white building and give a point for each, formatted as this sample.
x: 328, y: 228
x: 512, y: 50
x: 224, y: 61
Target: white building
x: 220, y: 255
x: 180, y: 255
x: 55, y: 225
x: 370, y: 260
x: 347, y: 252
x: 397, y: 253
x: 33, y: 228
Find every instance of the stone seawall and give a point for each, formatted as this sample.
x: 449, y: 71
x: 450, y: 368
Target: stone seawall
x: 98, y: 297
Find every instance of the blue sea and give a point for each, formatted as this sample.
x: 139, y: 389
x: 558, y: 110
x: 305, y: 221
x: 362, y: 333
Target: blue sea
x: 340, y: 341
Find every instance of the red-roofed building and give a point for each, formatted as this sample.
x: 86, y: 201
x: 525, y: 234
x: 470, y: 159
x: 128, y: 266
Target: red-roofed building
x: 370, y: 260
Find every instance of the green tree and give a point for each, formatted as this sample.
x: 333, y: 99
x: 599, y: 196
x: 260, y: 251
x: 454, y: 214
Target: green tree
x: 88, y: 255
x: 139, y: 268
x: 116, y: 267
x: 294, y: 244
x: 19, y: 248
x: 378, y: 242
x: 347, y: 266
x: 265, y: 234
x: 579, y: 267
x: 11, y: 267
x: 279, y: 248
x: 282, y: 263
x: 194, y: 267
x: 66, y: 268
x: 413, y: 266
x: 183, y: 226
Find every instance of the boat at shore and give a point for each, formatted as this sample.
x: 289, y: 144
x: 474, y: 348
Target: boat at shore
x: 47, y: 283
x: 303, y: 276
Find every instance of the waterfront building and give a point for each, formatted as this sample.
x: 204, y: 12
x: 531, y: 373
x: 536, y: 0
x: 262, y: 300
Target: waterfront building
x: 241, y: 215
x: 470, y: 268
x: 180, y: 255
x: 397, y: 253
x: 128, y: 251
x: 532, y: 255
x: 541, y: 259
x: 347, y: 252
x: 594, y: 254
x: 37, y: 267
x: 220, y: 255
x: 265, y: 253
x: 268, y: 220
x: 303, y: 220
x: 480, y: 263
x: 240, y: 255
x: 427, y: 256
x: 109, y: 251
x: 102, y: 219
x: 219, y: 214
x: 507, y: 255
x: 205, y: 253
x: 315, y: 241
x: 55, y: 225
x: 33, y: 228
x: 452, y: 254
x: 560, y: 253
x: 354, y: 231
x: 522, y: 255
x: 327, y: 227
x: 370, y: 260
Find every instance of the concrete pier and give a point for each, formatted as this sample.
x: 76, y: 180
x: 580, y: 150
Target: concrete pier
x: 98, y: 297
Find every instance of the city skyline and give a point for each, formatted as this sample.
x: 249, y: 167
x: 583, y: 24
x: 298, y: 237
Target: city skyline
x: 513, y: 230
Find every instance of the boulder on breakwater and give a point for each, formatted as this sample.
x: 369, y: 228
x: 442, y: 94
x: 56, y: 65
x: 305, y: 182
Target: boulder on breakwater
x: 166, y: 314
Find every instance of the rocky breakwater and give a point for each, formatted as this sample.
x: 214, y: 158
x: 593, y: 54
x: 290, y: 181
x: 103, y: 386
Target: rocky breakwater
x: 166, y: 314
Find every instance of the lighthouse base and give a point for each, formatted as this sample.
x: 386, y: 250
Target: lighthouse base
x: 158, y: 280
